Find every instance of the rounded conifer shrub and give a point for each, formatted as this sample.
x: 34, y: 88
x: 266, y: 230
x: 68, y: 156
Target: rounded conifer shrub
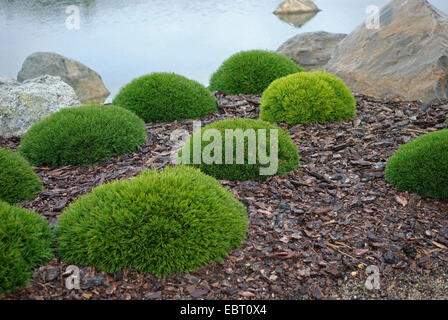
x: 25, y: 243
x: 175, y: 221
x: 251, y: 72
x: 166, y: 97
x: 421, y: 166
x: 83, y: 135
x: 308, y: 97
x: 18, y: 181
x: 241, y: 149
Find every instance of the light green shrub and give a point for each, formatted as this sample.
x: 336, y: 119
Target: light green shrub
x: 307, y: 97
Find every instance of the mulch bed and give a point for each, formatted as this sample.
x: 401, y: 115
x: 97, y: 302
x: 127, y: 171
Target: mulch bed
x: 312, y: 233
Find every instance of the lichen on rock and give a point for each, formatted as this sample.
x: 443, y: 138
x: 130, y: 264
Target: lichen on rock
x: 22, y: 105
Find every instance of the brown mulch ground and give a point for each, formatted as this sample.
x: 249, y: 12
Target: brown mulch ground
x: 312, y: 233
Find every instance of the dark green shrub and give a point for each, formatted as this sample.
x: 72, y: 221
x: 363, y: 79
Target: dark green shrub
x: 288, y: 156
x: 83, y: 135
x: 18, y: 181
x: 166, y: 97
x: 307, y: 97
x: 175, y: 221
x: 421, y: 166
x: 251, y: 72
x: 25, y: 243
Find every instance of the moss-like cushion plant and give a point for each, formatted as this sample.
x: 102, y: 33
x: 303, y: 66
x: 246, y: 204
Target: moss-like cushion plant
x: 175, y: 221
x: 226, y: 165
x: 25, y: 243
x: 308, y: 97
x: 166, y: 97
x: 251, y: 72
x: 18, y: 181
x: 421, y: 166
x: 83, y: 135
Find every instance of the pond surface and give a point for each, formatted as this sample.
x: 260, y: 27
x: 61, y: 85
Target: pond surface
x: 123, y: 39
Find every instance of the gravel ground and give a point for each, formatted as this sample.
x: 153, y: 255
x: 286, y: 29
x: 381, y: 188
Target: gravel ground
x: 312, y: 233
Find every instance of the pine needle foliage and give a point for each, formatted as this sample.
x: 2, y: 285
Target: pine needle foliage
x: 18, y: 181
x: 251, y: 72
x: 25, y: 242
x: 176, y: 221
x: 421, y: 166
x: 166, y: 97
x: 83, y: 135
x: 308, y: 97
x: 288, y: 155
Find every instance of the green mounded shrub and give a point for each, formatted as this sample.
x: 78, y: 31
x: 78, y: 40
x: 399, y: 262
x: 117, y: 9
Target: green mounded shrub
x: 228, y: 167
x: 251, y: 72
x: 25, y: 243
x: 166, y: 97
x: 175, y: 221
x: 308, y: 97
x: 421, y: 166
x: 18, y: 181
x: 83, y: 135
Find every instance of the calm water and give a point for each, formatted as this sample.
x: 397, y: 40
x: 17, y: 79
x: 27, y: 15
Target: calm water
x: 123, y: 39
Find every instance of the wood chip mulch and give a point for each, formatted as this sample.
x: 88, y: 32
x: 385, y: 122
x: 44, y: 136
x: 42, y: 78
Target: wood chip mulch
x: 312, y: 233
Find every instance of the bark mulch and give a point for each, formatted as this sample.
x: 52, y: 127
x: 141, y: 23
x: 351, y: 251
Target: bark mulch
x: 312, y: 233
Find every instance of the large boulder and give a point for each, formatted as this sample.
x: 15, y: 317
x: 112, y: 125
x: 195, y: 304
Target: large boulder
x: 296, y: 6
x: 407, y: 57
x: 87, y: 83
x: 312, y: 50
x: 24, y: 104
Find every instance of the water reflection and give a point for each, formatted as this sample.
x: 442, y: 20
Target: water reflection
x: 43, y: 10
x: 297, y: 20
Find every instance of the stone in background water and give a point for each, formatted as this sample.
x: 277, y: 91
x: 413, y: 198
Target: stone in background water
x: 296, y: 6
x: 297, y: 20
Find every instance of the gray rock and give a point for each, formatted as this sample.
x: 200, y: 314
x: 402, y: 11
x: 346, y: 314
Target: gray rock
x: 87, y: 83
x: 296, y: 6
x: 51, y: 274
x: 93, y: 282
x: 389, y: 257
x: 312, y: 49
x: 22, y: 105
x: 153, y: 295
x: 407, y: 57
